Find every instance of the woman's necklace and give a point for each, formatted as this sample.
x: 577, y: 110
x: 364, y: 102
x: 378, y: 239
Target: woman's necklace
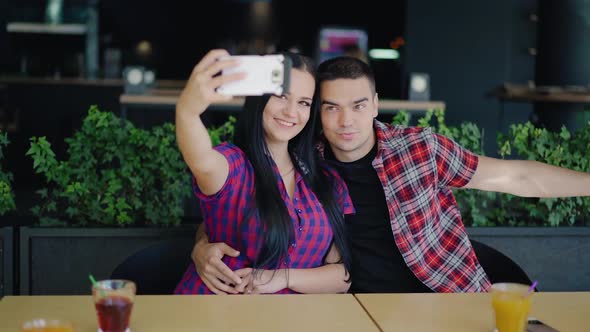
x: 289, y: 172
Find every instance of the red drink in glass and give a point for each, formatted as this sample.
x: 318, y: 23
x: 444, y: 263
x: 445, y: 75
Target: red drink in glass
x: 113, y: 313
x: 113, y: 300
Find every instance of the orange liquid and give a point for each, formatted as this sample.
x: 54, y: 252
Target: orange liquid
x: 512, y: 310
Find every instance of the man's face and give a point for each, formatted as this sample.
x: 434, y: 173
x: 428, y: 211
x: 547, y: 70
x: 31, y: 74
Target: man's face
x: 348, y: 107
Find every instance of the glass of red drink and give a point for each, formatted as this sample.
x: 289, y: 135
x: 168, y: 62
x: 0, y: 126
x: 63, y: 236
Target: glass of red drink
x: 113, y: 300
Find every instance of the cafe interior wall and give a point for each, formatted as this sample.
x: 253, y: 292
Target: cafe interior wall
x: 563, y: 53
x: 469, y: 48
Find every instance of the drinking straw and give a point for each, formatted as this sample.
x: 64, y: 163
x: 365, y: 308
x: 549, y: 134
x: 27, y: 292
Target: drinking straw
x: 95, y: 284
x: 532, y: 288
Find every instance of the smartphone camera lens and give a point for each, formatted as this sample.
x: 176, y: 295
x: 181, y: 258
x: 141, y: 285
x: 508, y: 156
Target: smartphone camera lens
x: 276, y: 75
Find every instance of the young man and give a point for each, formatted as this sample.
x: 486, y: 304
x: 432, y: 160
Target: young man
x: 407, y: 234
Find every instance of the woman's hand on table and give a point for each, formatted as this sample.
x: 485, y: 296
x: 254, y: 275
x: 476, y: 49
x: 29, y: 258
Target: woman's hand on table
x: 262, y: 281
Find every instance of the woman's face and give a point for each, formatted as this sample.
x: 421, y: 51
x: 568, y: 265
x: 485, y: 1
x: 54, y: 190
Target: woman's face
x: 285, y: 116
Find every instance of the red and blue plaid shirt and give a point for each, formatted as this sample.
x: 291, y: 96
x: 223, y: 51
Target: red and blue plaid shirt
x: 225, y: 213
x: 417, y: 168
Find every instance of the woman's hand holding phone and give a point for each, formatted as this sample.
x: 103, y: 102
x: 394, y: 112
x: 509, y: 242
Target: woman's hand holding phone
x: 201, y: 88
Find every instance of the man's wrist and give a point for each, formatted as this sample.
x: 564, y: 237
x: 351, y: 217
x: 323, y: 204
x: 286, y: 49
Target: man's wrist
x: 202, y: 237
x: 202, y: 242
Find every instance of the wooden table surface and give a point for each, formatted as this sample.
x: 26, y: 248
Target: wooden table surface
x: 256, y: 313
x: 470, y: 312
x: 303, y: 313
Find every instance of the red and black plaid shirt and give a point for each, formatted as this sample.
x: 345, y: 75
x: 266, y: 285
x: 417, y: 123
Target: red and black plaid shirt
x: 417, y: 168
x: 228, y: 218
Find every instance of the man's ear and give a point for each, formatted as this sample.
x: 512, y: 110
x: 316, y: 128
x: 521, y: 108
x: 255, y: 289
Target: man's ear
x: 376, y: 104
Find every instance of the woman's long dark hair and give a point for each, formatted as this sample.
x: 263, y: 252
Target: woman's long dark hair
x: 276, y: 222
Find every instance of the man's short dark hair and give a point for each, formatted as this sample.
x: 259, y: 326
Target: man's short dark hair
x: 345, y: 67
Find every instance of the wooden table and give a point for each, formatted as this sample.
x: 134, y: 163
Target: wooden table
x: 470, y: 312
x: 303, y: 313
x: 297, y: 313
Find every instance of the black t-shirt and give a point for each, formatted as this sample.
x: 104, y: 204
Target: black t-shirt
x: 377, y: 264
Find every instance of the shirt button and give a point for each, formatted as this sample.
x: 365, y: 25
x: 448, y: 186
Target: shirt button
x: 298, y: 210
x: 293, y: 245
x: 301, y: 229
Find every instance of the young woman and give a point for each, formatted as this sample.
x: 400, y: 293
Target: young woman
x: 268, y: 195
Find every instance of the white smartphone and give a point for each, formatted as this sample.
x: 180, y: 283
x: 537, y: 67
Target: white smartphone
x: 264, y: 74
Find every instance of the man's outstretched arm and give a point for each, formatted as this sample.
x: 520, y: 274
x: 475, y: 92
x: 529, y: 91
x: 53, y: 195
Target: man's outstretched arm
x: 528, y: 178
x: 218, y: 277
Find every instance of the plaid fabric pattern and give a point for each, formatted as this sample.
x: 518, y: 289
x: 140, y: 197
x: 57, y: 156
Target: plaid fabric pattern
x: 229, y: 218
x: 416, y: 168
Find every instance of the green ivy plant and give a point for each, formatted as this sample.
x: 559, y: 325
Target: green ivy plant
x: 6, y: 195
x: 562, y: 149
x: 223, y: 133
x: 114, y: 174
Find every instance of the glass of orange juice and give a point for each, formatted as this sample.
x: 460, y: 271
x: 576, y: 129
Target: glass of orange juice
x: 47, y: 325
x: 512, y: 303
